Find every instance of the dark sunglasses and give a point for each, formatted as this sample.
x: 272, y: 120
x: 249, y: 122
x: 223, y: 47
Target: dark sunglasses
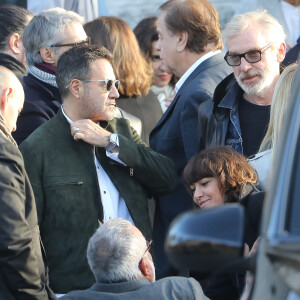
x: 85, y: 42
x: 251, y: 56
x: 109, y: 83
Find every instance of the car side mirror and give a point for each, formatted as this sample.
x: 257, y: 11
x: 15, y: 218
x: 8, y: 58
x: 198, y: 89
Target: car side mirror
x: 206, y: 240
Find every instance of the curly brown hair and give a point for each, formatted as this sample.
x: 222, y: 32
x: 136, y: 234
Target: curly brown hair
x: 222, y: 162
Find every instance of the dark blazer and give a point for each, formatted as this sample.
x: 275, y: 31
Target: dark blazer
x: 146, y: 108
x: 292, y: 55
x: 42, y: 102
x: 23, y: 274
x: 176, y: 137
x: 64, y: 179
x: 171, y: 288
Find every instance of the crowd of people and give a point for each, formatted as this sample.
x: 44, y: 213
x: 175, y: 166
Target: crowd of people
x: 97, y: 120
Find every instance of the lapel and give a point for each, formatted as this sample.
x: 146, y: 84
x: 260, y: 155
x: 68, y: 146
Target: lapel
x: 216, y: 59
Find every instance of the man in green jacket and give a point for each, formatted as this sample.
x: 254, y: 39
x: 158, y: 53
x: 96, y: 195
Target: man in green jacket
x: 87, y: 167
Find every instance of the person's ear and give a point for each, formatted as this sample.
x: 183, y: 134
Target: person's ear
x: 76, y: 88
x: 14, y: 43
x: 146, y: 269
x: 281, y: 52
x: 182, y: 41
x: 4, y: 97
x: 47, y: 55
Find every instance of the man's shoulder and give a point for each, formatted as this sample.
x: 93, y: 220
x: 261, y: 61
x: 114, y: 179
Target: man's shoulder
x: 37, y: 91
x: 166, y: 288
x: 206, y: 77
x: 9, y: 152
x: 45, y: 133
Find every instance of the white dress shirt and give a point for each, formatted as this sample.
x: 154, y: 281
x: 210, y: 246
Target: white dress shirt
x: 114, y: 206
x: 193, y: 67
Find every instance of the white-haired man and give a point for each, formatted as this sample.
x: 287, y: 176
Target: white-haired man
x: 119, y: 257
x: 239, y: 114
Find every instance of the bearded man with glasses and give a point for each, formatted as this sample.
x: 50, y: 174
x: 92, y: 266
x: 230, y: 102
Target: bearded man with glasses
x: 239, y: 114
x: 120, y: 259
x: 87, y: 167
x: 47, y: 36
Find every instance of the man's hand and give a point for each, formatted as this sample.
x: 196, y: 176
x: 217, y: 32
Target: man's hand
x: 90, y: 132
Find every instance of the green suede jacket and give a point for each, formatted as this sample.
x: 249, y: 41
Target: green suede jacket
x: 64, y: 179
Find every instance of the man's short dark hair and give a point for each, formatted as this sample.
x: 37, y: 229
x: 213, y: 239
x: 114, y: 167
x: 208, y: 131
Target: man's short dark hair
x: 198, y: 18
x: 76, y: 63
x: 13, y: 19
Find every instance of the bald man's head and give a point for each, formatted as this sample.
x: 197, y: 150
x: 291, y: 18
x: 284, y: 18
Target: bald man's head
x: 12, y: 98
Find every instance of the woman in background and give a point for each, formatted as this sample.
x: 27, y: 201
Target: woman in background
x: 130, y: 68
x: 162, y: 82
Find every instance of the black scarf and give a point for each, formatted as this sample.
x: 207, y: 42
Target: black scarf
x: 12, y: 64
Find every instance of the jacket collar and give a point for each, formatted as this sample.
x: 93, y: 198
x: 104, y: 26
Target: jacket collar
x: 211, y: 61
x: 121, y: 287
x: 12, y: 64
x: 227, y: 93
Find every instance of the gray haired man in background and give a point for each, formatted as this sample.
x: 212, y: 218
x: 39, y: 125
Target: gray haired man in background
x: 119, y: 257
x: 46, y: 38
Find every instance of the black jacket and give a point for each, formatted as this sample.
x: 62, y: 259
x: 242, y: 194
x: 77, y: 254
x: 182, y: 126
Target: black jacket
x: 42, y: 102
x: 12, y: 64
x: 213, y: 121
x: 292, y: 55
x: 22, y: 269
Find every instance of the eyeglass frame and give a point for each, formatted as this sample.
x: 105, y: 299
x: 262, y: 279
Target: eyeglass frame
x: 106, y: 82
x: 76, y: 44
x: 148, y: 247
x: 242, y: 55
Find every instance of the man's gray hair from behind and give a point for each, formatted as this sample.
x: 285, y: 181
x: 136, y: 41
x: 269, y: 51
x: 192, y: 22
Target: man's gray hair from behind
x: 239, y: 23
x: 115, y: 251
x: 46, y: 29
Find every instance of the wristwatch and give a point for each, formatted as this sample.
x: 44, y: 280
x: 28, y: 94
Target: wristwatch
x: 113, y: 142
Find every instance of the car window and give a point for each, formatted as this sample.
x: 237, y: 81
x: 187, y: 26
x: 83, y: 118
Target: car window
x: 293, y: 221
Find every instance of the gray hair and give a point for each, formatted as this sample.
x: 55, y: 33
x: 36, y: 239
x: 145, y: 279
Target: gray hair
x: 115, y: 251
x: 240, y: 23
x: 46, y: 29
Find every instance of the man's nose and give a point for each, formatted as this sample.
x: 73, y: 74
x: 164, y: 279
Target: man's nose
x: 244, y: 66
x: 114, y: 93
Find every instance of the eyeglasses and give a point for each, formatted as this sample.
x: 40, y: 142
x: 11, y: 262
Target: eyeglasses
x: 85, y: 42
x: 108, y: 83
x: 251, y: 56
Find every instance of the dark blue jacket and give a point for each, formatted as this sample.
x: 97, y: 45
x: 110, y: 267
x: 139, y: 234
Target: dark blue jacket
x: 176, y: 137
x: 42, y: 102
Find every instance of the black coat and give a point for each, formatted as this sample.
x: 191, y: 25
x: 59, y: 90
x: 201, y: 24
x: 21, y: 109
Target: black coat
x: 230, y: 286
x: 12, y: 64
x: 292, y: 55
x: 42, y: 102
x: 22, y: 269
